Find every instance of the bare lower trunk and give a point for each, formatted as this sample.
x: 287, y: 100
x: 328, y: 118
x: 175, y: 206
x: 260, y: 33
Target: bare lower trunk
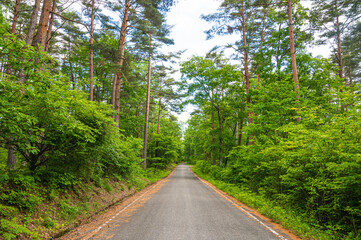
x: 16, y: 14
x: 339, y: 49
x: 293, y: 54
x: 33, y: 20
x: 137, y: 114
x: 240, y: 133
x: 260, y: 48
x: 40, y: 37
x: 246, y: 73
x: 50, y: 29
x: 147, y: 114
x: 91, y: 55
x: 220, y: 138
x: 121, y: 48
x: 11, y: 163
x: 159, y: 112
x: 213, y: 142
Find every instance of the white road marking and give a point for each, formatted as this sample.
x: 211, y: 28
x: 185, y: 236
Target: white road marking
x: 119, y: 212
x: 243, y: 210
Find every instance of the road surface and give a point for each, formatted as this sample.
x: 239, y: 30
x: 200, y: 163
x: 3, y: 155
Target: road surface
x: 185, y: 208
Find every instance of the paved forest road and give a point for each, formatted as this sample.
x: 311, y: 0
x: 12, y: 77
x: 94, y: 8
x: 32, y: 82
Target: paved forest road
x: 186, y: 209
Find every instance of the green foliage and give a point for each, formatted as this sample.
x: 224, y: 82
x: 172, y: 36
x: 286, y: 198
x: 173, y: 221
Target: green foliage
x: 10, y: 229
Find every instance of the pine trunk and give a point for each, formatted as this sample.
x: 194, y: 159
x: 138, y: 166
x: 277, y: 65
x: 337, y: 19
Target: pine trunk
x: 33, y: 20
x: 16, y: 14
x: 246, y: 72
x: 40, y: 37
x: 11, y: 163
x: 339, y: 49
x: 293, y: 54
x: 121, y: 48
x: 213, y: 142
x: 220, y: 138
x: 147, y: 112
x: 159, y: 112
x: 50, y: 29
x: 91, y: 54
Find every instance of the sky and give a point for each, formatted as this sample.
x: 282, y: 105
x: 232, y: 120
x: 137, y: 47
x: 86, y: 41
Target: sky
x: 188, y: 32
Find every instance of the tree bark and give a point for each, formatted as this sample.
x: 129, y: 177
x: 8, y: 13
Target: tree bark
x: 50, y: 29
x: 121, y: 48
x: 220, y: 137
x: 33, y: 20
x: 246, y: 71
x: 16, y: 14
x: 213, y: 142
x: 40, y: 36
x: 11, y: 163
x: 147, y: 110
x: 240, y: 133
x: 137, y: 114
x: 260, y: 48
x: 91, y: 54
x: 293, y: 54
x: 339, y: 49
x: 159, y: 112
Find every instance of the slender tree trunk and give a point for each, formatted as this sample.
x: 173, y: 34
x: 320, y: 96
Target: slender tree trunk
x: 220, y: 138
x: 50, y: 29
x: 147, y: 110
x: 33, y: 20
x: 121, y: 48
x: 240, y: 133
x: 12, y: 159
x: 246, y: 72
x: 40, y: 37
x: 339, y: 49
x: 293, y: 54
x: 16, y: 14
x: 11, y: 163
x: 91, y: 54
x: 261, y: 46
x: 137, y: 114
x: 159, y: 112
x: 213, y: 142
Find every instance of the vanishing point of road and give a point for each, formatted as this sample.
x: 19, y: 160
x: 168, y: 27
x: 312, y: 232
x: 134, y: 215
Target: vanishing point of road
x: 186, y: 208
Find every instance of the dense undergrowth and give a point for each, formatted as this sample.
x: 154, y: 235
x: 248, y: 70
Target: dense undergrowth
x: 283, y: 208
x: 32, y: 209
x: 62, y: 157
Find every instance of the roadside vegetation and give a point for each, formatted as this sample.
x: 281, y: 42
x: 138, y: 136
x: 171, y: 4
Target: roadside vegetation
x: 64, y: 156
x: 281, y: 131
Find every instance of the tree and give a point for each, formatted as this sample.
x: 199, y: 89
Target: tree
x: 201, y: 78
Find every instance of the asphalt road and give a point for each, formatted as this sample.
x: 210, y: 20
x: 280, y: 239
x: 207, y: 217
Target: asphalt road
x: 186, y: 209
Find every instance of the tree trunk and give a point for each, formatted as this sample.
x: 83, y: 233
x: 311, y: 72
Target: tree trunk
x: 91, y: 54
x: 339, y: 49
x: 16, y: 14
x: 121, y: 48
x: 147, y: 110
x: 261, y: 46
x: 213, y: 142
x: 220, y: 138
x: 246, y: 73
x: 40, y: 37
x: 240, y: 133
x: 293, y: 54
x: 50, y: 29
x: 33, y: 20
x: 11, y: 163
x: 137, y: 114
x: 159, y: 112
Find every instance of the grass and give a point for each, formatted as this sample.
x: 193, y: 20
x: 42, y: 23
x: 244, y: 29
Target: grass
x: 289, y: 219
